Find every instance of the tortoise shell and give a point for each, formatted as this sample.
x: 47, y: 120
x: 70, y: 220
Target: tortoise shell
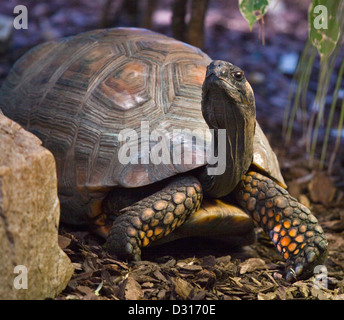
x: 79, y: 93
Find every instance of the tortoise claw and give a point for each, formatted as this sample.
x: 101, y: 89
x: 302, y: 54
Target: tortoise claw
x: 119, y: 244
x: 302, y: 266
x: 291, y: 275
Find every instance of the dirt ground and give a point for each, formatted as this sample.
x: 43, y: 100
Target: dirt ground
x: 197, y: 269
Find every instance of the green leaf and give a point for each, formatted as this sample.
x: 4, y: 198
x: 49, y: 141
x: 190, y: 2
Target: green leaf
x: 253, y: 10
x: 323, y: 26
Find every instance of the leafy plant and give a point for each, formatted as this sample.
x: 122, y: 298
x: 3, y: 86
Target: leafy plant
x: 325, y: 38
x: 326, y: 32
x: 253, y: 11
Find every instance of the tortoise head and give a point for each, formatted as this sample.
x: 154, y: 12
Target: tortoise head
x: 226, y: 95
x: 228, y: 103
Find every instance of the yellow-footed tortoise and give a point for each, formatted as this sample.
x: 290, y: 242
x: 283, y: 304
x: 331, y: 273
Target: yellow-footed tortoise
x: 148, y: 133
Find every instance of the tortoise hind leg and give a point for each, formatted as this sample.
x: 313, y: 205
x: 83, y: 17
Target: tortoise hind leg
x: 153, y: 217
x: 292, y: 228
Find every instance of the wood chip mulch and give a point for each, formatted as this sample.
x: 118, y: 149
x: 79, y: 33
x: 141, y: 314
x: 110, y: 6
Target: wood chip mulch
x: 249, y: 274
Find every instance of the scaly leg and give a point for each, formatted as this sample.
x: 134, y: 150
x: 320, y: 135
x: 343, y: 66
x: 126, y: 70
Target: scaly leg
x: 292, y: 228
x: 153, y: 217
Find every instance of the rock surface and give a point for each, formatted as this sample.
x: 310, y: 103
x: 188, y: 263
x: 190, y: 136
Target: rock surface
x: 32, y: 265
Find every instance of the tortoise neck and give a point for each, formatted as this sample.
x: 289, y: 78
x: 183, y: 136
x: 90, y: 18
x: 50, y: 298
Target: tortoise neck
x: 232, y: 156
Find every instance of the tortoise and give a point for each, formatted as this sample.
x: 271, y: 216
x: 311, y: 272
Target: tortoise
x: 154, y: 141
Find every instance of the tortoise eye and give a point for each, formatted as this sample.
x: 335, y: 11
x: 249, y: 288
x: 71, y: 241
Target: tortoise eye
x: 238, y: 75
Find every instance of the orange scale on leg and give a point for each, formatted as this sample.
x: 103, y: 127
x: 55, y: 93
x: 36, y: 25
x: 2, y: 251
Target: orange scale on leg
x: 271, y: 224
x: 309, y: 234
x: 296, y: 222
x: 269, y: 203
x: 286, y: 224
x: 292, y: 233
x: 285, y: 241
x: 277, y: 228
x: 271, y: 213
x: 275, y: 238
x: 303, y: 228
x: 246, y: 196
x: 292, y: 246
x: 145, y: 242
x: 299, y: 238
x: 256, y: 216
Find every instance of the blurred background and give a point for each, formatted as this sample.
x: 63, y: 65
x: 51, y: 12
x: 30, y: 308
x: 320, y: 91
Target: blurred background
x: 299, y: 96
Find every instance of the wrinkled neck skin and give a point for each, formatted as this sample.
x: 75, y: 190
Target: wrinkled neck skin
x: 233, y: 146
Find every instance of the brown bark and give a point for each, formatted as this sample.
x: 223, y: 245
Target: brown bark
x: 149, y: 9
x: 110, y: 11
x: 132, y: 8
x: 178, y: 19
x: 195, y: 34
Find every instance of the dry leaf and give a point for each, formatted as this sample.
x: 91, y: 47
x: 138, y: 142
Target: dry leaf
x: 133, y: 289
x: 321, y: 294
x: 251, y: 265
x: 64, y: 242
x: 322, y: 189
x: 191, y: 268
x: 159, y: 276
x: 84, y: 290
x: 267, y: 296
x: 182, y: 287
x: 303, y: 288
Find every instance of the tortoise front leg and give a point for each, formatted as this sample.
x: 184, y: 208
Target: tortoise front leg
x: 153, y: 217
x: 292, y: 228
